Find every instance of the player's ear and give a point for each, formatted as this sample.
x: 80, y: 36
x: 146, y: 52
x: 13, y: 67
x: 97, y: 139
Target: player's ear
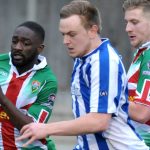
x: 40, y: 48
x: 93, y: 31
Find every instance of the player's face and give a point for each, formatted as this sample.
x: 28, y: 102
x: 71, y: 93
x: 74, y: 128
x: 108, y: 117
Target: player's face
x: 24, y: 47
x: 75, y: 36
x: 138, y: 26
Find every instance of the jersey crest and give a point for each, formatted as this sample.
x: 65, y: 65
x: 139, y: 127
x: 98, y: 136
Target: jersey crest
x: 35, y: 86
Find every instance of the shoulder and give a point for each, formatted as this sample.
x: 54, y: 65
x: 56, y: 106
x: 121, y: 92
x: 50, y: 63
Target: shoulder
x: 146, y: 55
x: 4, y: 56
x: 47, y: 73
x: 147, y: 51
x: 106, y: 52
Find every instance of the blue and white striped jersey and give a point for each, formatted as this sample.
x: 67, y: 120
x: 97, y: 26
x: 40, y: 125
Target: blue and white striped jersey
x: 99, y: 85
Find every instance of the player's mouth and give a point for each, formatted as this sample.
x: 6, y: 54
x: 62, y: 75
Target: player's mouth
x: 17, y: 56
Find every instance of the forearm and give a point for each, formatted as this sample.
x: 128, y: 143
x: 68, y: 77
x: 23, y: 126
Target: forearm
x: 90, y: 123
x: 17, y: 118
x: 139, y: 112
x: 133, y: 113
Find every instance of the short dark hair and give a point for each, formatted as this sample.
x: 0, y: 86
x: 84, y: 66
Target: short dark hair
x: 37, y: 28
x: 88, y: 13
x: 129, y: 4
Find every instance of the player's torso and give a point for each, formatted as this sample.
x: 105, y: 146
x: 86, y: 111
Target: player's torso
x: 22, y: 91
x: 139, y: 86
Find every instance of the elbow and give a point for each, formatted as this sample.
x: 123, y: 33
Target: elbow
x: 99, y: 122
x: 142, y: 120
x: 139, y: 113
x: 105, y: 126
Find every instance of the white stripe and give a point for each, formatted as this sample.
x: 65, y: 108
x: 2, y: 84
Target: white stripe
x: 6, y: 83
x: 76, y: 89
x: 92, y: 142
x: 132, y: 70
x: 113, y: 79
x: 132, y: 86
x: 23, y: 99
x: 80, y: 141
x: 95, y: 83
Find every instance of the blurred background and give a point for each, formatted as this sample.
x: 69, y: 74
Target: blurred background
x: 46, y: 13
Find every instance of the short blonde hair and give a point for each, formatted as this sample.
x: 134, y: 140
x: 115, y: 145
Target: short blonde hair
x: 129, y: 4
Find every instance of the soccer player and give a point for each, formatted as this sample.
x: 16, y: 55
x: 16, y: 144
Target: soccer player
x: 137, y: 16
x: 27, y: 87
x: 98, y: 87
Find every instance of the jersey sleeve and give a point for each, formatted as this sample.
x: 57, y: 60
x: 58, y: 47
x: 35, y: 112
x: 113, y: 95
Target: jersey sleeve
x: 41, y: 109
x: 105, y: 79
x: 143, y: 85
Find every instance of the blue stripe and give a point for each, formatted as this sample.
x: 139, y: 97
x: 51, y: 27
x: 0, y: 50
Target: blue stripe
x: 74, y: 70
x: 77, y: 62
x: 85, y: 142
x: 102, y: 145
x: 124, y: 107
x: 104, y: 79
x: 77, y: 107
x: 88, y: 73
x: 85, y: 90
x: 117, y: 98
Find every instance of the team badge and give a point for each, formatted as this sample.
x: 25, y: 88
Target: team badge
x: 103, y: 93
x: 35, y: 86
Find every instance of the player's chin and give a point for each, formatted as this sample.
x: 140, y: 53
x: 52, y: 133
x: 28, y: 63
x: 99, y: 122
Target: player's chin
x: 18, y: 63
x: 73, y: 55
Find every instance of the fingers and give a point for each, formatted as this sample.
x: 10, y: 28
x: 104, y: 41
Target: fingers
x: 31, y: 140
x: 27, y: 132
x: 25, y: 135
x: 24, y: 128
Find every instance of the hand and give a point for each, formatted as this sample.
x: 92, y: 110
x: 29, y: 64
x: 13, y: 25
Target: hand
x: 32, y: 131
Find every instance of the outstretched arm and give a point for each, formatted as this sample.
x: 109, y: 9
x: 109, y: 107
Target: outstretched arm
x: 90, y: 123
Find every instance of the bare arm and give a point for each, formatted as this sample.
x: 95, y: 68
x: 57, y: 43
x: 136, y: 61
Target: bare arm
x: 16, y: 117
x: 139, y: 112
x: 90, y: 123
